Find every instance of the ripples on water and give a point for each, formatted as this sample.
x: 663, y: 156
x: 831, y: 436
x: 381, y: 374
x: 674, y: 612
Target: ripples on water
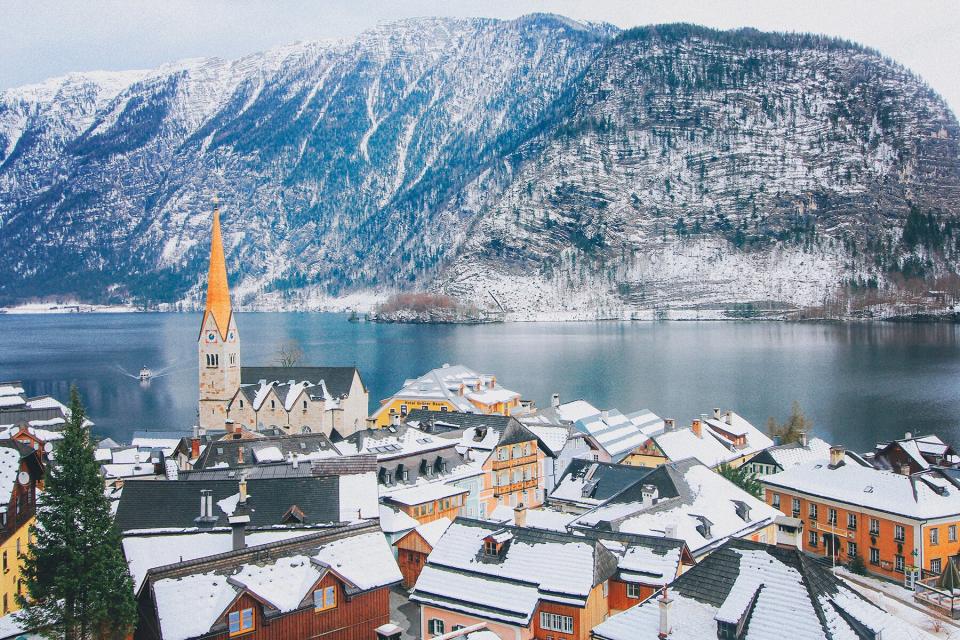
x: 858, y: 382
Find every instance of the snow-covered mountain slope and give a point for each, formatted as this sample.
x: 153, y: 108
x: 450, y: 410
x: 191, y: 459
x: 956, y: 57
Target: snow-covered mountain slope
x: 553, y: 164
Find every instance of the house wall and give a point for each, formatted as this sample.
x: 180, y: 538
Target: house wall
x: 434, y: 509
x: 412, y: 552
x: 883, y: 541
x: 471, y: 501
x: 383, y: 416
x: 314, y: 416
x: 528, y: 492
x: 355, y: 407
x: 574, y: 449
x: 618, y: 599
x: 584, y: 619
x: 453, y: 618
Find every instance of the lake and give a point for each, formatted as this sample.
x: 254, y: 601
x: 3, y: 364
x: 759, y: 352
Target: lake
x: 858, y: 382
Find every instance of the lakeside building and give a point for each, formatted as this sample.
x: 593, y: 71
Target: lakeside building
x: 448, y: 388
x: 21, y: 470
x: 684, y: 500
x: 901, y: 525
x: 761, y: 592
x: 40, y: 412
x: 333, y: 584
x: 292, y: 399
x: 532, y: 583
x: 586, y: 484
x: 243, y: 452
x: 783, y: 456
x: 913, y: 454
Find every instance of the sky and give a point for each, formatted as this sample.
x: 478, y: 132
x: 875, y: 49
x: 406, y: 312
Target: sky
x: 41, y: 38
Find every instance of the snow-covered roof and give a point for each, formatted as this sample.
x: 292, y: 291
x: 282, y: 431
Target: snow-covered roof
x: 190, y: 600
x: 427, y: 492
x: 920, y: 496
x: 576, y: 410
x: 711, y: 447
x: 555, y: 437
x: 127, y: 470
x: 268, y: 454
x: 395, y: 521
x: 534, y: 518
x: 702, y: 507
x: 790, y: 455
x: 9, y: 468
x: 11, y: 388
x: 393, y: 442
x: 359, y: 497
x: 449, y: 381
x: 617, y: 433
x: 769, y: 592
x: 433, y: 531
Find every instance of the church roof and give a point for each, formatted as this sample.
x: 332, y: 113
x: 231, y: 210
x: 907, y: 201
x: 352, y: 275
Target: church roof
x: 338, y: 380
x: 218, y: 291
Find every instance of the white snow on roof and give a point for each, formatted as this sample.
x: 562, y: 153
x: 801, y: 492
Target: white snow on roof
x: 644, y: 565
x: 283, y: 583
x: 618, y: 434
x: 493, y: 396
x: 553, y: 436
x: 165, y: 444
x: 268, y: 454
x: 387, y: 444
x: 514, y: 601
x: 293, y: 393
x: 535, y: 518
x: 487, y: 443
x: 229, y: 504
x: 359, y: 498
x: 873, y: 488
x: 911, y: 448
x: 366, y: 560
x: 205, y: 596
x: 8, y: 389
x: 144, y: 552
x: 47, y: 402
x: 12, y: 401
x: 712, y: 448
x: 395, y: 521
x: 790, y: 455
x: 445, y: 383
x: 711, y: 496
x: 127, y: 470
x: 433, y: 531
x: 9, y: 468
x: 576, y: 410
x: 420, y: 493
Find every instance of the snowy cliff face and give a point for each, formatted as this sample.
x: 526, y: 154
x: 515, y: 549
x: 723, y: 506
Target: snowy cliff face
x: 552, y: 164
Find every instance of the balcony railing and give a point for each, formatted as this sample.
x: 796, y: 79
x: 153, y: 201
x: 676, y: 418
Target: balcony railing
x: 515, y: 486
x: 514, y: 462
x: 938, y: 598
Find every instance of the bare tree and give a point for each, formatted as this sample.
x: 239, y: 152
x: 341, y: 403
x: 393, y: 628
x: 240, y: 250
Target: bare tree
x: 289, y: 354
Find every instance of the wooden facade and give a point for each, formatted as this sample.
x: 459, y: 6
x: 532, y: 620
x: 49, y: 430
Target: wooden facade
x: 412, y: 552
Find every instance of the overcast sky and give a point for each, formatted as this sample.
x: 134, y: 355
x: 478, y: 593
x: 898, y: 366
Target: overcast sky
x: 41, y: 38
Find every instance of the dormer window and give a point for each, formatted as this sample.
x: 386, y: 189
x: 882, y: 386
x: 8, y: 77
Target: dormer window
x: 325, y: 598
x: 490, y: 547
x: 241, y: 621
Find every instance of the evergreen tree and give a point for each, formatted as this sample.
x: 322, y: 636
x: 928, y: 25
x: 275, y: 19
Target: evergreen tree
x: 77, y: 583
x: 742, y: 478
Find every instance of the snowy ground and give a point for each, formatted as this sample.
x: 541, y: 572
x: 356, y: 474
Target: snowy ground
x: 893, y: 598
x: 66, y: 307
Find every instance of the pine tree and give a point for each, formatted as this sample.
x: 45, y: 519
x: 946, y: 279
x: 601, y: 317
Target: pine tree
x: 77, y: 582
x: 742, y: 478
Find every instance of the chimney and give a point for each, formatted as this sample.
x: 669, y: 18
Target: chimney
x: 716, y: 413
x: 203, y: 504
x: 238, y: 531
x: 907, y: 435
x: 396, y: 419
x: 905, y: 469
x: 836, y: 455
x: 670, y: 530
x: 388, y: 631
x: 294, y: 460
x: 669, y: 424
x: 228, y: 425
x: 520, y: 515
x: 665, y: 604
x: 194, y: 448
x: 649, y: 493
x: 240, y: 454
x: 555, y: 400
x: 697, y: 428
x: 729, y: 419
x: 243, y: 489
x: 207, y: 517
x: 804, y: 442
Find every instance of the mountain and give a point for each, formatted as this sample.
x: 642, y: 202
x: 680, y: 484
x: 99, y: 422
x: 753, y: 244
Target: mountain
x: 547, y: 164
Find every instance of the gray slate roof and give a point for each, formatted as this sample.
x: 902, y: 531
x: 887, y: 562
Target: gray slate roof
x: 226, y: 452
x: 337, y: 379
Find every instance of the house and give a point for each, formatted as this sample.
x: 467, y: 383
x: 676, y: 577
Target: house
x: 532, y: 583
x: 512, y: 466
x: 913, y: 454
x: 688, y: 501
x: 564, y: 443
x: 750, y: 590
x: 44, y: 412
x: 162, y: 522
x: 20, y: 471
x: 783, y: 456
x: 332, y: 584
x: 293, y: 399
x: 37, y: 438
x: 723, y: 439
x: 586, y: 484
x: 448, y: 388
x: 241, y: 452
x: 395, y: 524
x: 414, y: 547
x: 899, y: 524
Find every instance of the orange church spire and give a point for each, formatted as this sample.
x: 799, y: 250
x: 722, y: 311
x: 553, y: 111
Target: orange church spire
x: 218, y: 291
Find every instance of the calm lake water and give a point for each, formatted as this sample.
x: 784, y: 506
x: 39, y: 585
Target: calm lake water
x: 858, y: 382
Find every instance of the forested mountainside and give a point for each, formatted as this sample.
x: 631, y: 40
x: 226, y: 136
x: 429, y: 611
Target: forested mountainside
x: 547, y: 164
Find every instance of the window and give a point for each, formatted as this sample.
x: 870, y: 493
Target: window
x: 490, y: 547
x: 812, y: 539
x: 18, y: 548
x: 812, y: 510
x: 403, y: 409
x: 852, y: 549
x: 935, y: 565
x: 796, y: 507
x: 775, y: 500
x: 304, y: 405
x: 6, y: 605
x: 633, y: 591
x: 273, y: 404
x: 852, y: 521
x: 502, y: 453
x: 456, y: 627
x: 240, y: 621
x: 606, y: 588
x: 898, y: 563
x: 325, y: 598
x: 241, y: 404
x: 425, y: 407
x: 443, y: 409
x: 556, y: 622
x: 874, y: 527
x: 934, y: 535
x: 874, y: 555
x: 952, y: 533
x: 832, y: 517
x: 900, y: 535
x: 435, y: 627
x: 5, y: 566
x: 516, y: 451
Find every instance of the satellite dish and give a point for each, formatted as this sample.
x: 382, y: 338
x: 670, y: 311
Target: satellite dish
x: 23, y: 478
x: 48, y: 447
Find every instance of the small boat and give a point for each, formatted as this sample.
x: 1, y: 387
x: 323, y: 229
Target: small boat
x: 145, y: 374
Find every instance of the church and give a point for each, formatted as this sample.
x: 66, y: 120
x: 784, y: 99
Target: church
x: 288, y: 399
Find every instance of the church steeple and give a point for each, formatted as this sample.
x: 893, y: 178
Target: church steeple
x: 218, y: 291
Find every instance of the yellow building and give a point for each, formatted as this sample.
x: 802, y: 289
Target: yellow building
x: 20, y: 470
x: 449, y: 388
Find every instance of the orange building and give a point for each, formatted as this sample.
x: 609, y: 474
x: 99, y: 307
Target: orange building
x: 898, y: 524
x: 429, y: 501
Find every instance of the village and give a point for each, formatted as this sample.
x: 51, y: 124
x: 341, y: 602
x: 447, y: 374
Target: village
x: 458, y: 509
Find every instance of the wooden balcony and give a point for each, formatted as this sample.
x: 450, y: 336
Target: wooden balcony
x: 515, y: 486
x: 514, y: 462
